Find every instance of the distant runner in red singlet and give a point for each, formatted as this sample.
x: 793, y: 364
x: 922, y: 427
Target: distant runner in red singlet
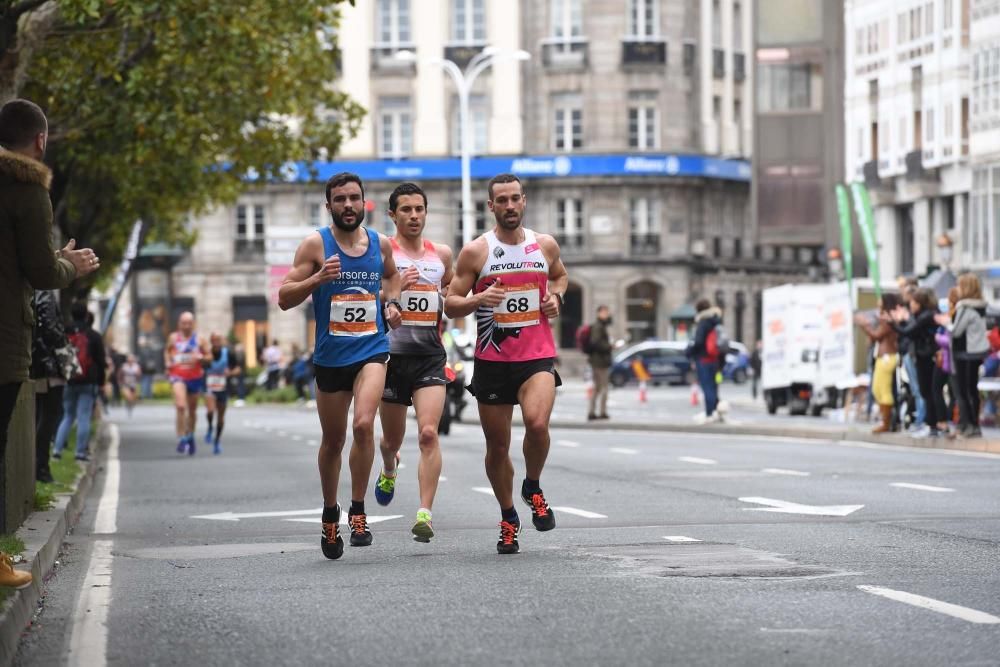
x: 518, y: 281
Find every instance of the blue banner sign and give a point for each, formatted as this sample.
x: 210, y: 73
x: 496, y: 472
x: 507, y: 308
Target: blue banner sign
x: 534, y: 166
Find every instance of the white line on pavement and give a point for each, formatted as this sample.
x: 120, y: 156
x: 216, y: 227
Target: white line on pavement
x: 88, y: 642
x: 584, y: 513
x: 106, y: 521
x: 442, y: 478
x: 567, y: 443
x: 483, y: 489
x: 624, y: 450
x: 922, y: 487
x: 297, y: 438
x: 783, y: 471
x: 283, y: 434
x: 313, y: 443
x: 343, y: 518
x: 796, y: 508
x: 680, y: 538
x: 695, y: 459
x: 963, y: 613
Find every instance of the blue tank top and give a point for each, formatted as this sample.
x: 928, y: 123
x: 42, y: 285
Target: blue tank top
x: 349, y: 324
x: 220, y: 365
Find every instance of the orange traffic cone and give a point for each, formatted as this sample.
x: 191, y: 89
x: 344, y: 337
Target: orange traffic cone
x: 695, y: 398
x: 642, y: 391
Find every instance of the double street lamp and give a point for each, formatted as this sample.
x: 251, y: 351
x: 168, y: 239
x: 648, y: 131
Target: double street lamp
x: 463, y: 83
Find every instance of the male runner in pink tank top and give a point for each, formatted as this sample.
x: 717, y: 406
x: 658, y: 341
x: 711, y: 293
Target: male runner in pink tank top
x: 517, y: 281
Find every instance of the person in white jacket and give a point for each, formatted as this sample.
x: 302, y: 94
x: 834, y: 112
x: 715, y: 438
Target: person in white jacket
x: 969, y: 347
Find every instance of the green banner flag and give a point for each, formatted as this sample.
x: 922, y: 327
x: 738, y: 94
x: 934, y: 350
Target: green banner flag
x: 846, y: 238
x: 866, y: 223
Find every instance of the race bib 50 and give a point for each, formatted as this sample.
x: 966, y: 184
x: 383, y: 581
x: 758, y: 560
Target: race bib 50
x: 421, y: 304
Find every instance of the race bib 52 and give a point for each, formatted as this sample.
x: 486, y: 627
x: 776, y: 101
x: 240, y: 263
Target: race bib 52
x: 353, y: 315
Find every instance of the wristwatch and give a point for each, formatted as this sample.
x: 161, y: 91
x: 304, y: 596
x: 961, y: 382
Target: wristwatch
x: 394, y: 302
x: 559, y: 296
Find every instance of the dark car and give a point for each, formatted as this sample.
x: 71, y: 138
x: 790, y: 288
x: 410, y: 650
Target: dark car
x: 665, y: 361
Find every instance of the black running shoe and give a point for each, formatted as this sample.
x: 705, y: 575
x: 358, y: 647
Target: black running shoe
x: 541, y: 513
x: 360, y: 535
x: 331, y: 542
x: 507, y: 544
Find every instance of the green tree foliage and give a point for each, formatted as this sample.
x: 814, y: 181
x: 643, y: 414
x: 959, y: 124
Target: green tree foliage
x: 159, y: 110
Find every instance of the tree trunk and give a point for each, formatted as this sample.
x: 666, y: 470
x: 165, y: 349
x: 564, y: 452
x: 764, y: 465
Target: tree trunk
x: 21, y: 34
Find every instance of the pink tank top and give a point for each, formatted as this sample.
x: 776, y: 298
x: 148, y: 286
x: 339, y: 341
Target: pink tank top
x: 516, y: 330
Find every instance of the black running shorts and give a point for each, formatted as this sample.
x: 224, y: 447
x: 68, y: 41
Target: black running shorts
x: 497, y: 382
x: 341, y: 378
x: 407, y: 373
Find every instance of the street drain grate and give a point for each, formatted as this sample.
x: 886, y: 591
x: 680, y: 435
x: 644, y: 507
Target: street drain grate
x: 703, y: 560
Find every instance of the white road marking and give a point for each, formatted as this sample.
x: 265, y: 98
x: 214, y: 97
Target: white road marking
x: 584, y: 513
x: 786, y: 507
x: 699, y: 461
x: 233, y: 516
x: 922, y: 487
x: 624, y: 450
x: 680, y: 538
x: 483, y: 489
x: 106, y: 521
x: 313, y: 443
x: 400, y: 466
x: 283, y: 434
x: 88, y: 642
x: 963, y: 613
x: 442, y: 478
x: 784, y: 471
x: 567, y: 443
x: 343, y: 518
x: 297, y: 438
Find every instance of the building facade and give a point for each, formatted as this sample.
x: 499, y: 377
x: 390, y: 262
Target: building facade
x: 631, y: 125
x: 980, y: 237
x: 907, y: 105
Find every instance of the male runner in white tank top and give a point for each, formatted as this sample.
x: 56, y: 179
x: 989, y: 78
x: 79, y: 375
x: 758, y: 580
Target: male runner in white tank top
x: 518, y: 281
x: 415, y: 374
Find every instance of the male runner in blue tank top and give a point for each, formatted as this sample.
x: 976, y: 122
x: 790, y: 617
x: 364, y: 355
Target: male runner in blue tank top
x: 353, y: 280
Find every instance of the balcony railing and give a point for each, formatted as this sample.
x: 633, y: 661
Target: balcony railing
x: 646, y: 245
x: 571, y: 244
x: 462, y: 54
x: 565, y: 53
x: 248, y: 250
x: 384, y: 60
x: 644, y: 51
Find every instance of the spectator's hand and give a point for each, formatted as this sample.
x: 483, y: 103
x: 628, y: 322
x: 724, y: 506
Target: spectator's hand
x: 550, y: 306
x: 84, y: 260
x: 410, y: 278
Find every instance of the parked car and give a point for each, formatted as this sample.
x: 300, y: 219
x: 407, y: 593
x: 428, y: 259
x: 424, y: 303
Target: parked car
x: 666, y: 362
x: 737, y: 367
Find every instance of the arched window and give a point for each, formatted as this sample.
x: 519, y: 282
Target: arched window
x: 571, y: 317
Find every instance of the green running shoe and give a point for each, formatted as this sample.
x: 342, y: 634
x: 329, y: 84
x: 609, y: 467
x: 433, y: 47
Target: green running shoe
x: 422, y: 529
x: 385, y: 488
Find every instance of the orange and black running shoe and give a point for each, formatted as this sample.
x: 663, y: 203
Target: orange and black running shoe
x: 360, y: 535
x: 332, y: 543
x: 507, y: 544
x: 541, y: 513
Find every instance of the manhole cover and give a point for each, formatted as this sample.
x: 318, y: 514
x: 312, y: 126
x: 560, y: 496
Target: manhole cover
x: 707, y: 560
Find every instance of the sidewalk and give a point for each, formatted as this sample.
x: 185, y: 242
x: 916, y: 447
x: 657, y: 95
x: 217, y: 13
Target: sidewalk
x: 43, y: 534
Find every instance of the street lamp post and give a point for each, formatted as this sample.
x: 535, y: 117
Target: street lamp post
x: 463, y: 84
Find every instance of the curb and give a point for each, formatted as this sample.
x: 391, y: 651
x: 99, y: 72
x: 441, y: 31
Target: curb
x: 43, y: 534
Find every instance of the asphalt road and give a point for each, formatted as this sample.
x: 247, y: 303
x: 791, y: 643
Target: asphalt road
x: 666, y: 552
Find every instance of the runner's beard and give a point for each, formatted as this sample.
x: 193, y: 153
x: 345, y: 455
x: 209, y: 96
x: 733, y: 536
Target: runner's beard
x: 509, y: 223
x: 359, y: 217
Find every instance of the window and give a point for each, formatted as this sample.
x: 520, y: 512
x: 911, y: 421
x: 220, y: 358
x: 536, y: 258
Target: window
x: 787, y: 87
x: 903, y: 138
x: 738, y: 248
x: 396, y: 131
x: 716, y: 25
x: 393, y: 20
x: 249, y: 231
x: 468, y: 24
x: 861, y: 143
x: 929, y: 19
x: 643, y: 121
x: 568, y: 126
x: 478, y: 117
x: 929, y: 130
x: 643, y: 19
x: 903, y: 34
x: 567, y: 19
x: 479, y: 221
x: 644, y: 222
x: 316, y: 214
x: 569, y: 223
x: 949, y: 11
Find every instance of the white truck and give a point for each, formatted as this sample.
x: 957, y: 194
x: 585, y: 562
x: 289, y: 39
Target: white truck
x: 808, y: 346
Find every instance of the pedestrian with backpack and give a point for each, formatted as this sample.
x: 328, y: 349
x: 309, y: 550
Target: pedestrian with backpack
x: 595, y: 341
x: 708, y: 350
x: 83, y: 387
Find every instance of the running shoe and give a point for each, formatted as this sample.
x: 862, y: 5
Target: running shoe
x: 332, y: 543
x: 208, y: 437
x: 541, y: 513
x: 190, y: 444
x: 182, y: 445
x: 216, y: 447
x: 360, y: 535
x: 507, y: 544
x: 422, y: 529
x: 385, y: 488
